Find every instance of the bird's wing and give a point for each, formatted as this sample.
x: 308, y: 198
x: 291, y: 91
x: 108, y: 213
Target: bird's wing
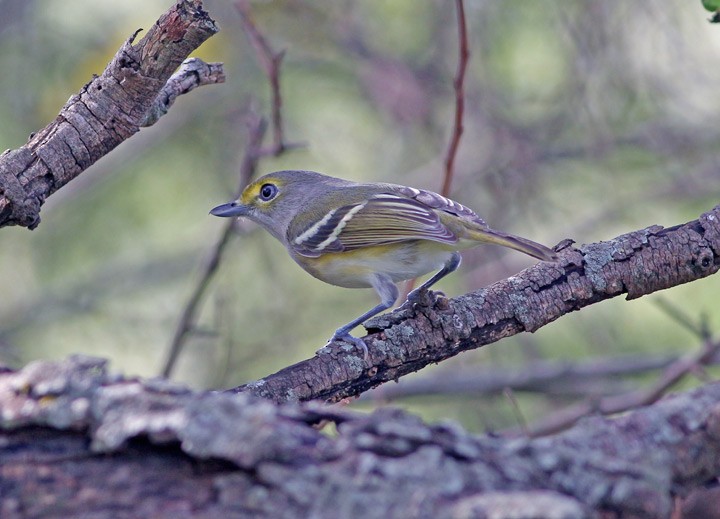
x: 383, y: 218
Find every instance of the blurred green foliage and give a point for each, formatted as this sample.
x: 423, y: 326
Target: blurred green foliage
x: 711, y: 5
x: 584, y: 120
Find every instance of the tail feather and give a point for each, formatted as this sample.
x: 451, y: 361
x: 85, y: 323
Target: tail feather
x: 529, y: 247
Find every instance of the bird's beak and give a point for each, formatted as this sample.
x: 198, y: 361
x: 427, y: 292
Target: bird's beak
x: 230, y: 209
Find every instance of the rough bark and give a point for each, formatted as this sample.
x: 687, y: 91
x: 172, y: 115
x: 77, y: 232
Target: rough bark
x: 636, y: 264
x: 77, y: 441
x: 106, y: 111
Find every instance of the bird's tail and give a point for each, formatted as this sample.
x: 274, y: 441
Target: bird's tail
x: 529, y: 247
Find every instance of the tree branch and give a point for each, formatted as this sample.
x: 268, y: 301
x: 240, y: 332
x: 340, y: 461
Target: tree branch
x: 193, y: 73
x: 549, y: 377
x: 613, y: 404
x: 106, y: 111
x: 269, y: 460
x: 404, y: 341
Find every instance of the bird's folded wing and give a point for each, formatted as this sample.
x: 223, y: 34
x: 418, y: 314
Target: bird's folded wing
x: 383, y: 219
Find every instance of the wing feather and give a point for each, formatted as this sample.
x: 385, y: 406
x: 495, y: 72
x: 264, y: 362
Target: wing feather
x: 382, y: 219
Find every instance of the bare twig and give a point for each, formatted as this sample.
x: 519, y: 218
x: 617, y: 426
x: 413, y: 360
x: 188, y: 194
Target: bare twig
x: 522, y: 422
x: 459, y: 84
x: 683, y: 366
x: 699, y: 328
x: 256, y: 128
x: 193, y: 73
x: 541, y: 376
x: 270, y: 62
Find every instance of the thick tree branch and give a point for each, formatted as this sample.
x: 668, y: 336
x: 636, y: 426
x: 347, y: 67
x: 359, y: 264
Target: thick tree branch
x: 107, y: 111
x: 636, y: 264
x: 269, y: 460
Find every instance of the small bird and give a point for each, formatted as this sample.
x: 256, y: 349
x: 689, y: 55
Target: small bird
x: 369, y: 235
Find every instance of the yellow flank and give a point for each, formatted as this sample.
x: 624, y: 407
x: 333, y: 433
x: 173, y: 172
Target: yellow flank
x: 355, y: 268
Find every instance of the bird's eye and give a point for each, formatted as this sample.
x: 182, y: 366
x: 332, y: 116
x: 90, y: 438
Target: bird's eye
x: 268, y: 192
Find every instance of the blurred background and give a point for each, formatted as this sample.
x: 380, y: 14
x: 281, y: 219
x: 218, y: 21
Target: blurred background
x: 583, y: 120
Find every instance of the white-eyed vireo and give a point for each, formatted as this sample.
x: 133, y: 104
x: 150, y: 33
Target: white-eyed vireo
x: 367, y: 235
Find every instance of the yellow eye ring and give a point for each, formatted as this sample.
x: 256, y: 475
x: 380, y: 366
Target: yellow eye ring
x: 268, y: 192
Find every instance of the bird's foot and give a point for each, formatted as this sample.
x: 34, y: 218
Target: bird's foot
x: 422, y: 296
x: 354, y: 341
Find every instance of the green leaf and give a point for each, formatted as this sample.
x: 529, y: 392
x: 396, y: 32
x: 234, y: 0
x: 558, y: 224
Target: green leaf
x: 711, y: 5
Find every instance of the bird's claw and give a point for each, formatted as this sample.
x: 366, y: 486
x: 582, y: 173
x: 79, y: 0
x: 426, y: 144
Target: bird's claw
x: 422, y: 296
x: 354, y: 341
x: 414, y: 296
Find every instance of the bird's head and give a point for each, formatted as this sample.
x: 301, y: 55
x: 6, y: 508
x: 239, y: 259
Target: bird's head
x: 273, y: 200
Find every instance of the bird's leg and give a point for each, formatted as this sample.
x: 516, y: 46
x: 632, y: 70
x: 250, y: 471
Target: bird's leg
x: 388, y: 293
x: 451, y: 265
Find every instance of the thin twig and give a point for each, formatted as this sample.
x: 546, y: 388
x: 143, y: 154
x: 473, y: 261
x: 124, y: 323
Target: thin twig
x: 540, y: 376
x: 256, y: 127
x: 683, y: 366
x: 270, y: 62
x: 459, y: 84
x: 699, y: 328
x: 193, y: 73
x: 522, y: 422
